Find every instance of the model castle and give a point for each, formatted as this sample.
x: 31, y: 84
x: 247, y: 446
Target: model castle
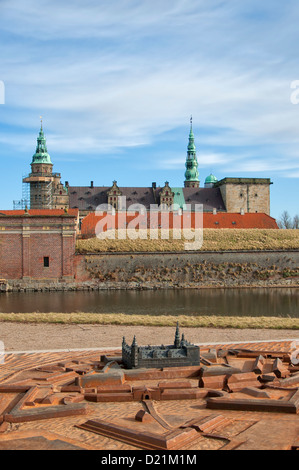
x: 180, y: 353
x: 231, y: 195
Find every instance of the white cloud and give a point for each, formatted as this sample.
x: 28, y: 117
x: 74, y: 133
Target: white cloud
x: 110, y: 75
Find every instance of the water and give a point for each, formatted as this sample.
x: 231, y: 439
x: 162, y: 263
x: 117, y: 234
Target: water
x: 233, y: 302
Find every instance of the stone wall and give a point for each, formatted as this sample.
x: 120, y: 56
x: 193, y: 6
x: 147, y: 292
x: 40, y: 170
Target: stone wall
x: 178, y: 270
x: 246, y: 194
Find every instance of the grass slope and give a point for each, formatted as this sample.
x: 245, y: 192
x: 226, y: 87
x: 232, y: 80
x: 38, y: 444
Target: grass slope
x: 213, y: 240
x: 212, y: 321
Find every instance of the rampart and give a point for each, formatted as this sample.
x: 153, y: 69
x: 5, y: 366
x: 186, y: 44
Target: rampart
x: 189, y: 269
x: 231, y: 269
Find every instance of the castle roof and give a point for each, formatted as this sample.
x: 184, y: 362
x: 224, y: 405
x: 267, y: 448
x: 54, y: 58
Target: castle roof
x: 87, y: 198
x: 41, y: 213
x: 41, y: 155
x: 211, y: 179
x: 210, y: 220
x: 237, y: 220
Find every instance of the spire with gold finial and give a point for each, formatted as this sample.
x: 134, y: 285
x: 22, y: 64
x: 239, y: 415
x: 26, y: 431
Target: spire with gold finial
x: 191, y: 173
x: 41, y: 154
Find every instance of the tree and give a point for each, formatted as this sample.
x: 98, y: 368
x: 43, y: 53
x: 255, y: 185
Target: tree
x: 286, y: 222
x: 296, y: 222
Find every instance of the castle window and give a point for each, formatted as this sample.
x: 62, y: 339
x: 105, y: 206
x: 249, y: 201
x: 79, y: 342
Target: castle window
x: 241, y: 194
x: 46, y: 261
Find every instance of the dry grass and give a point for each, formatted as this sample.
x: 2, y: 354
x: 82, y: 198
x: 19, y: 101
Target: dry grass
x: 213, y: 321
x: 213, y: 239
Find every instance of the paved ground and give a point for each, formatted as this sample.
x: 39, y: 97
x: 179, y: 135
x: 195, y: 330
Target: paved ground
x: 38, y: 337
x: 44, y: 402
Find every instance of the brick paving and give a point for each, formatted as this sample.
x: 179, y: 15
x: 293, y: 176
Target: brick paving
x: 62, y: 420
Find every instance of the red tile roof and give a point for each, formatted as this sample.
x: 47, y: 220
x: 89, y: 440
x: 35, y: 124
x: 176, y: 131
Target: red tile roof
x: 41, y: 212
x: 210, y: 220
x: 236, y: 220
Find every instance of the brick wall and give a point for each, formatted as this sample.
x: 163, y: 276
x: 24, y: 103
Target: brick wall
x: 37, y: 246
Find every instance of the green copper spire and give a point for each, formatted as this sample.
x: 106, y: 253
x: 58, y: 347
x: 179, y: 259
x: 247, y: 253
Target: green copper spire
x: 191, y: 145
x: 41, y: 154
x: 191, y: 174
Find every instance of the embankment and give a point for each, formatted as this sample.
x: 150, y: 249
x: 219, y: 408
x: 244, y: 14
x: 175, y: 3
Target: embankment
x: 189, y: 269
x: 160, y: 270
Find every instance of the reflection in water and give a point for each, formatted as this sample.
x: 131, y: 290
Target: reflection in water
x: 241, y: 302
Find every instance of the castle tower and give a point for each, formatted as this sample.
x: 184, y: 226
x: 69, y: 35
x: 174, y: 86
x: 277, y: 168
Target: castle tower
x: 46, y: 189
x: 134, y: 353
x: 177, y: 341
x: 191, y: 173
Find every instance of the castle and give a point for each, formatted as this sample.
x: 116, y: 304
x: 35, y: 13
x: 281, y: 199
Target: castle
x: 228, y: 195
x: 180, y: 353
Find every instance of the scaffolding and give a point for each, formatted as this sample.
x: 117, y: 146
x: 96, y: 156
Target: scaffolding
x: 26, y: 193
x: 48, y: 196
x: 21, y: 204
x: 41, y: 198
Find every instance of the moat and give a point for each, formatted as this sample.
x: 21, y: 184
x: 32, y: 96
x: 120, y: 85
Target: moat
x: 282, y: 302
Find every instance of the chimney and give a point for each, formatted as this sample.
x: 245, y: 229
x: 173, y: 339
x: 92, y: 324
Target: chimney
x: 91, y: 184
x: 154, y: 185
x: 242, y: 212
x: 66, y: 184
x: 214, y: 211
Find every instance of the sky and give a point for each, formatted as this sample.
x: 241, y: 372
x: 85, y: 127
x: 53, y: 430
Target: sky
x: 116, y: 83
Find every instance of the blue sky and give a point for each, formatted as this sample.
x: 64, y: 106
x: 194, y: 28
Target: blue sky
x: 116, y: 83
